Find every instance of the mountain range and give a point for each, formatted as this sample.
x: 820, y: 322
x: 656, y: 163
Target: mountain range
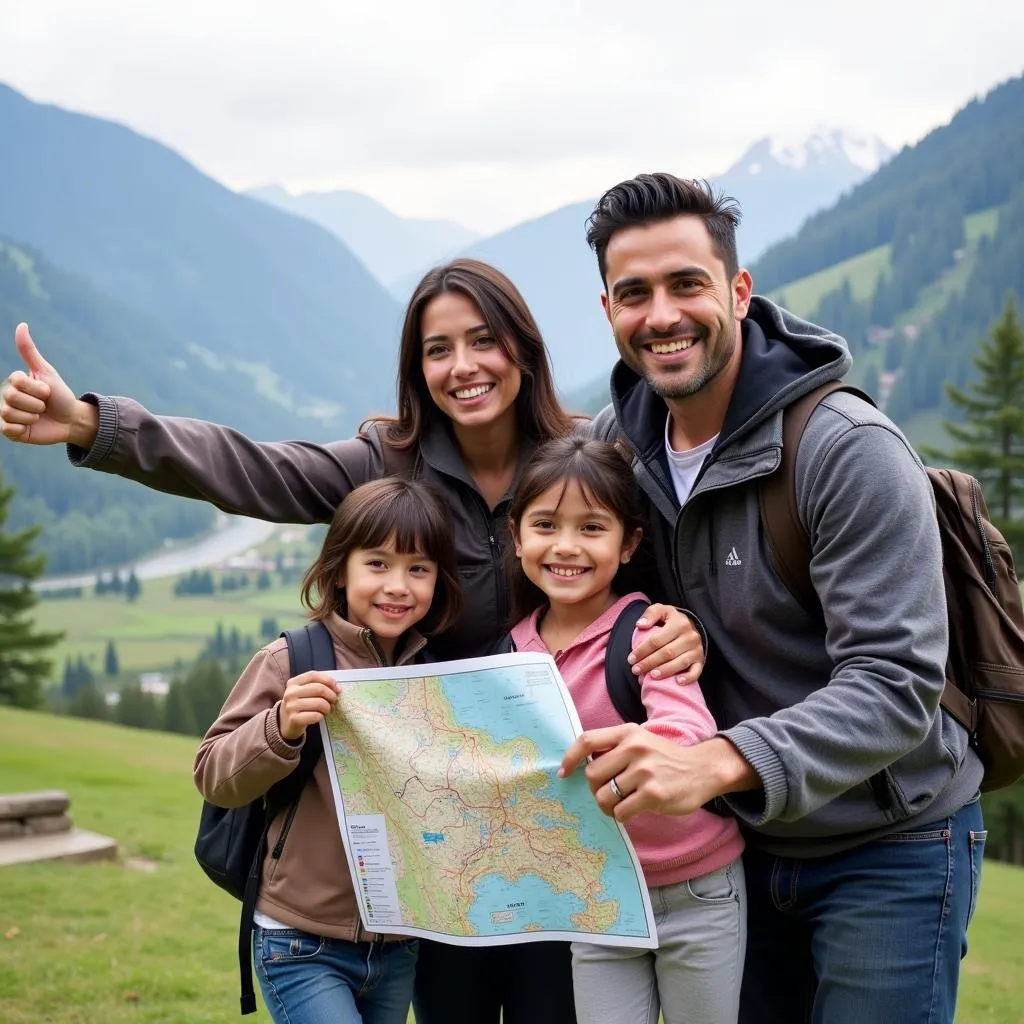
x: 141, y: 275
x: 232, y: 284
x: 390, y: 246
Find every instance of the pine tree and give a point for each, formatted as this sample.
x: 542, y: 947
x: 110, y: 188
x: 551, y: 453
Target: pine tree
x: 88, y: 702
x: 178, y: 713
x: 111, y: 666
x: 138, y: 708
x: 23, y: 662
x: 133, y: 588
x: 990, y: 443
x: 208, y: 688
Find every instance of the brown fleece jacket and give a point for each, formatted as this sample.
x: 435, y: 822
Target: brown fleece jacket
x: 243, y: 754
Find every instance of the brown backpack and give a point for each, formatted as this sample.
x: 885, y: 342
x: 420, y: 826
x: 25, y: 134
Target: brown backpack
x: 985, y: 669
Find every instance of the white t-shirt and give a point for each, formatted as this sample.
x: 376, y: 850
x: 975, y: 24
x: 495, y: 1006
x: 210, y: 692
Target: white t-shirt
x: 684, y: 466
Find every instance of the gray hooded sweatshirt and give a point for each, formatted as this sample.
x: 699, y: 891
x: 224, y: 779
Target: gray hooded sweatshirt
x: 839, y: 713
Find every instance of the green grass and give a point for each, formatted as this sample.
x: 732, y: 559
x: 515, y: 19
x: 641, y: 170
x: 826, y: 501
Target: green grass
x: 106, y: 944
x: 804, y: 295
x: 159, y: 630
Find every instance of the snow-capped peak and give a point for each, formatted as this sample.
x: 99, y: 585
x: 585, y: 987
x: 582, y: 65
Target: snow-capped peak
x: 824, y: 145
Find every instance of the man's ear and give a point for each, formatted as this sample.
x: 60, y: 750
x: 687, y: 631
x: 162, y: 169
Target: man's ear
x: 605, y: 307
x: 742, y: 290
x: 630, y: 544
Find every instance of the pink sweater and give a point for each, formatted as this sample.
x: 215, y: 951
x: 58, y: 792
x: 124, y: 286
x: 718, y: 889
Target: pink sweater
x: 670, y: 849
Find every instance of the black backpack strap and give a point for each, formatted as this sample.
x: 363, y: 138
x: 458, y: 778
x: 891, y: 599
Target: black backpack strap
x: 506, y: 645
x: 623, y: 686
x: 309, y: 647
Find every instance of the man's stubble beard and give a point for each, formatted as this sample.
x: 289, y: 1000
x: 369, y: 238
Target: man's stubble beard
x: 711, y: 366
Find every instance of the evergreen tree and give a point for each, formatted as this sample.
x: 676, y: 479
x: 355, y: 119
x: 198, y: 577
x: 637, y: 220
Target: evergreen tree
x: 23, y: 662
x: 872, y: 383
x: 133, y: 588
x: 88, y: 702
x: 137, y: 708
x: 111, y: 666
x: 83, y: 674
x: 179, y: 715
x: 990, y: 443
x: 208, y: 688
x: 68, y: 681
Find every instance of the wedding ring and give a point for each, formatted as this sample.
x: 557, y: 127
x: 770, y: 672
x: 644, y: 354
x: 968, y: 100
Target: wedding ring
x: 615, y: 788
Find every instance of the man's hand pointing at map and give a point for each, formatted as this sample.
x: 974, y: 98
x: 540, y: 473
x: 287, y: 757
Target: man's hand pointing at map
x: 656, y: 774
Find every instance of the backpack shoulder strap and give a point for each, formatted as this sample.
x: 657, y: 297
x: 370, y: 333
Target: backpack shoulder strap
x: 623, y: 686
x: 787, y: 538
x: 506, y: 645
x: 309, y: 647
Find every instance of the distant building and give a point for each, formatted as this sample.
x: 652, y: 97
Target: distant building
x: 155, y: 683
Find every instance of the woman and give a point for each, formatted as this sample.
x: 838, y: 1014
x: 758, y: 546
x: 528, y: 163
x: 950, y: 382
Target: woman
x: 475, y: 398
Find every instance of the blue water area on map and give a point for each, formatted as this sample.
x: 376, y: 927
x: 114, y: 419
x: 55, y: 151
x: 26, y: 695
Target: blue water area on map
x: 619, y: 879
x: 501, y: 705
x: 433, y: 837
x: 544, y: 906
x: 478, y: 701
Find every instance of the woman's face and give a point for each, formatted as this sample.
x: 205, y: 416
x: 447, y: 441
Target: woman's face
x: 467, y: 373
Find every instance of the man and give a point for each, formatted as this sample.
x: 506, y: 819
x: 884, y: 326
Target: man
x: 858, y: 797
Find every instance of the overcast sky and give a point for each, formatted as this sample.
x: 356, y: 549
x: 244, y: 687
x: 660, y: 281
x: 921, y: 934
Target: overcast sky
x: 491, y: 112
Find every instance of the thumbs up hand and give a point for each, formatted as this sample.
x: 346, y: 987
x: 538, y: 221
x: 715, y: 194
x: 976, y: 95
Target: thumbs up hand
x: 38, y: 407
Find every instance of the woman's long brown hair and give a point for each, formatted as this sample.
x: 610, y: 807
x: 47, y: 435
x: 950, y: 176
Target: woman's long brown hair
x: 509, y: 319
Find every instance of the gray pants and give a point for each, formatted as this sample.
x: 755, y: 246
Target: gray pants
x: 694, y: 975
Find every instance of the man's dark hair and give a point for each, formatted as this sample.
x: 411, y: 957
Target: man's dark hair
x: 649, y: 198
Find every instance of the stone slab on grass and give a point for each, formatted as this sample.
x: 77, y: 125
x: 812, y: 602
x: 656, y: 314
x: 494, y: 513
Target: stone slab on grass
x: 76, y: 846
x: 31, y: 805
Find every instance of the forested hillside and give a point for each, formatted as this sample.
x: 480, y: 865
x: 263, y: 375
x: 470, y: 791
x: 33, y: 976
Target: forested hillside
x: 971, y: 164
x: 91, y: 518
x: 225, y: 275
x: 919, y: 258
x: 141, y: 276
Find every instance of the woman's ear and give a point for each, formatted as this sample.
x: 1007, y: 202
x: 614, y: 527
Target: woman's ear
x: 630, y: 544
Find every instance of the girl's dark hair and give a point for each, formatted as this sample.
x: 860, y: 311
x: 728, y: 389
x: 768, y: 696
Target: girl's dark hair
x: 510, y: 321
x: 406, y: 512
x: 649, y: 198
x: 606, y: 480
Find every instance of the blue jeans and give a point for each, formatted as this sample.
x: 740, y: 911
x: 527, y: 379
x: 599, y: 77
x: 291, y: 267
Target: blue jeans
x: 306, y: 979
x: 872, y: 934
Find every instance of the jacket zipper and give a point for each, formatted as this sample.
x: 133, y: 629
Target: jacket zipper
x: 496, y: 567
x: 1005, y: 696
x: 990, y: 565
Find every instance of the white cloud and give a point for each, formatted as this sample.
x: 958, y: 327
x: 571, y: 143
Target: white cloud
x: 490, y: 113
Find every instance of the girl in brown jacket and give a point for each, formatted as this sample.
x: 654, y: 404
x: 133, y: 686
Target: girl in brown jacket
x: 387, y: 564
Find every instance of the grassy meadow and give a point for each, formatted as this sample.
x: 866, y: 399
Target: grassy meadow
x: 161, y: 632
x: 149, y: 939
x: 804, y: 295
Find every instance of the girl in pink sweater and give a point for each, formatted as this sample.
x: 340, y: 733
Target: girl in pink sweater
x: 575, y: 520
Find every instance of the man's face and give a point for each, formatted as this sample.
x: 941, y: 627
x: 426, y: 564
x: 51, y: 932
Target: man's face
x: 674, y: 312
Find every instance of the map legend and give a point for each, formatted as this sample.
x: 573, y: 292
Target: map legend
x: 374, y: 873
